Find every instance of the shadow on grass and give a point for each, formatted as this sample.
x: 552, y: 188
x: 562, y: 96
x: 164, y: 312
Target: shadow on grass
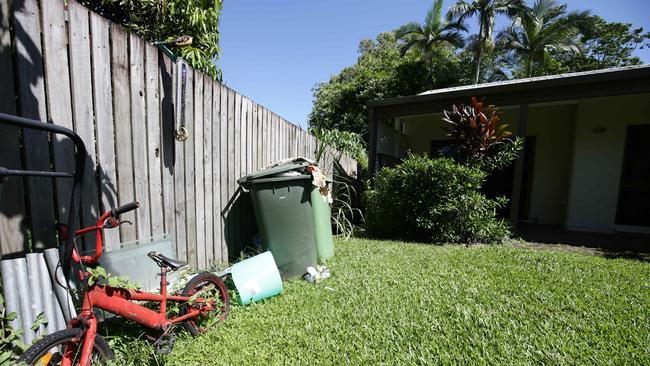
x: 613, y: 246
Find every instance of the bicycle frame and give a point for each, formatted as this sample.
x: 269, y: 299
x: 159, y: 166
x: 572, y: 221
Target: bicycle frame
x: 120, y: 301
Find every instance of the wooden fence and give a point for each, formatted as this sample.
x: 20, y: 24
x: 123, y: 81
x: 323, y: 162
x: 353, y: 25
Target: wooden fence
x: 67, y: 65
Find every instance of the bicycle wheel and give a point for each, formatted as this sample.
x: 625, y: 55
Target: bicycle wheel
x: 50, y: 349
x: 206, y: 286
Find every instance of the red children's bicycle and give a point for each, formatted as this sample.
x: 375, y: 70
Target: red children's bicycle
x: 203, y: 301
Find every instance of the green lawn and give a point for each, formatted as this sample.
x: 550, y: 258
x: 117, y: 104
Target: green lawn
x: 396, y: 303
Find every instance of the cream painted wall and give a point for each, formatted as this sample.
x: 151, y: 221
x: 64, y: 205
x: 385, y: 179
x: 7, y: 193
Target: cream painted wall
x: 553, y: 128
x: 598, y: 158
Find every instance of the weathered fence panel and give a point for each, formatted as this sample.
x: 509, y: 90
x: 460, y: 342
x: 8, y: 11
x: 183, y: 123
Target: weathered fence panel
x: 127, y: 101
x: 31, y: 104
x: 12, y: 233
x: 122, y: 114
x: 103, y: 102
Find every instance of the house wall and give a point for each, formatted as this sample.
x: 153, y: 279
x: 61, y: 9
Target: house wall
x: 576, y: 172
x: 553, y: 128
x: 598, y: 158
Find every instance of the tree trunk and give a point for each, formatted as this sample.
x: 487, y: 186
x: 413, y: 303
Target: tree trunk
x: 479, y: 51
x: 529, y: 67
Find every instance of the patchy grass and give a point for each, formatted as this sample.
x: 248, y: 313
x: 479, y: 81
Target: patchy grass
x: 396, y: 303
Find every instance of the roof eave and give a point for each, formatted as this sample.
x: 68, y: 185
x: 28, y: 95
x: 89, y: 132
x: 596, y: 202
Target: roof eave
x: 556, y: 81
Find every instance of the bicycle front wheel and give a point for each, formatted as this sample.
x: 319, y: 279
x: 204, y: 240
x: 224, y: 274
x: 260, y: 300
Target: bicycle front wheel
x: 50, y: 349
x: 213, y: 291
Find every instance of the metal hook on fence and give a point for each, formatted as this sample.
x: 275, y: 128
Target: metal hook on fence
x: 181, y: 134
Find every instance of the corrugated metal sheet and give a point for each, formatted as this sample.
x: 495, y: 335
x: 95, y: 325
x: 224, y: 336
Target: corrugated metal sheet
x: 10, y: 291
x: 28, y: 291
x: 58, y: 279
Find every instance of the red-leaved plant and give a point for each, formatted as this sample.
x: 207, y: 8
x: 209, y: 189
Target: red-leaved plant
x: 475, y: 131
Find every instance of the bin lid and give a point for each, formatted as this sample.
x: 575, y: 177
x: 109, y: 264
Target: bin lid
x: 274, y: 171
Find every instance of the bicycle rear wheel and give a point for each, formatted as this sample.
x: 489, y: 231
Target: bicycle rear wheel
x: 50, y: 349
x: 209, y: 287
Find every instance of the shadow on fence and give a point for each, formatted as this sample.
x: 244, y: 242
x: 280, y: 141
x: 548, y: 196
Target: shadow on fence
x: 239, y: 225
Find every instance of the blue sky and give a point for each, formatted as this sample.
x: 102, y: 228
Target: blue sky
x: 275, y: 51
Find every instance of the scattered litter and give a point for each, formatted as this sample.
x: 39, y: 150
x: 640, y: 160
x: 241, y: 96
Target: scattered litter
x: 316, y: 275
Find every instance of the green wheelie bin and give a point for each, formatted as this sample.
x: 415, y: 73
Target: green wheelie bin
x: 322, y: 224
x: 281, y: 198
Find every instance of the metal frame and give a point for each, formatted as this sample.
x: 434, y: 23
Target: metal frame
x: 77, y: 176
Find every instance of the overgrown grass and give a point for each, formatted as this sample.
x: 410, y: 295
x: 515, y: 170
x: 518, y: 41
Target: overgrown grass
x: 396, y: 303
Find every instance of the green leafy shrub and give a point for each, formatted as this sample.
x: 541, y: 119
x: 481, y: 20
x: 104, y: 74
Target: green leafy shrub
x: 167, y: 20
x: 343, y: 142
x: 434, y: 200
x: 333, y: 143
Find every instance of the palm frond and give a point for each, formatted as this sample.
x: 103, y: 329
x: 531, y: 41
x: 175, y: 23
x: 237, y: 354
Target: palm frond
x: 433, y: 20
x: 453, y: 38
x: 408, y: 29
x: 460, y: 10
x: 404, y: 48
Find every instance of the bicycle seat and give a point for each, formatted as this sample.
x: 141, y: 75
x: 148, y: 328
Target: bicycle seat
x: 163, y: 261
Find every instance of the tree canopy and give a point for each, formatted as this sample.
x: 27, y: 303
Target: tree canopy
x: 544, y: 38
x: 430, y: 38
x: 167, y: 20
x: 538, y: 30
x: 380, y: 72
x: 486, y: 11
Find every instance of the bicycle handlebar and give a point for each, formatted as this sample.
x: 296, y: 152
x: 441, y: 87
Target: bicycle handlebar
x: 125, y: 208
x: 113, y: 216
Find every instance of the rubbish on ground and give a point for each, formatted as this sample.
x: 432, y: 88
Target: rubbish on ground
x: 316, y: 275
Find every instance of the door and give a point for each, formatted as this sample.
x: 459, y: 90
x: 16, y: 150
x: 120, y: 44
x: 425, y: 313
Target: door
x: 634, y: 192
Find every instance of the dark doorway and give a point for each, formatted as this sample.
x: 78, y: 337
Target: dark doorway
x: 634, y: 192
x: 439, y: 148
x: 500, y: 183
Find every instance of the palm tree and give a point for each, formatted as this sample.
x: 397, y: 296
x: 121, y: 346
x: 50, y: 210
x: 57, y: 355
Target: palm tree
x: 486, y: 12
x: 428, y: 37
x: 544, y: 27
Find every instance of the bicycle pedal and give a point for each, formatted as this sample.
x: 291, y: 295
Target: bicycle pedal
x: 165, y: 343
